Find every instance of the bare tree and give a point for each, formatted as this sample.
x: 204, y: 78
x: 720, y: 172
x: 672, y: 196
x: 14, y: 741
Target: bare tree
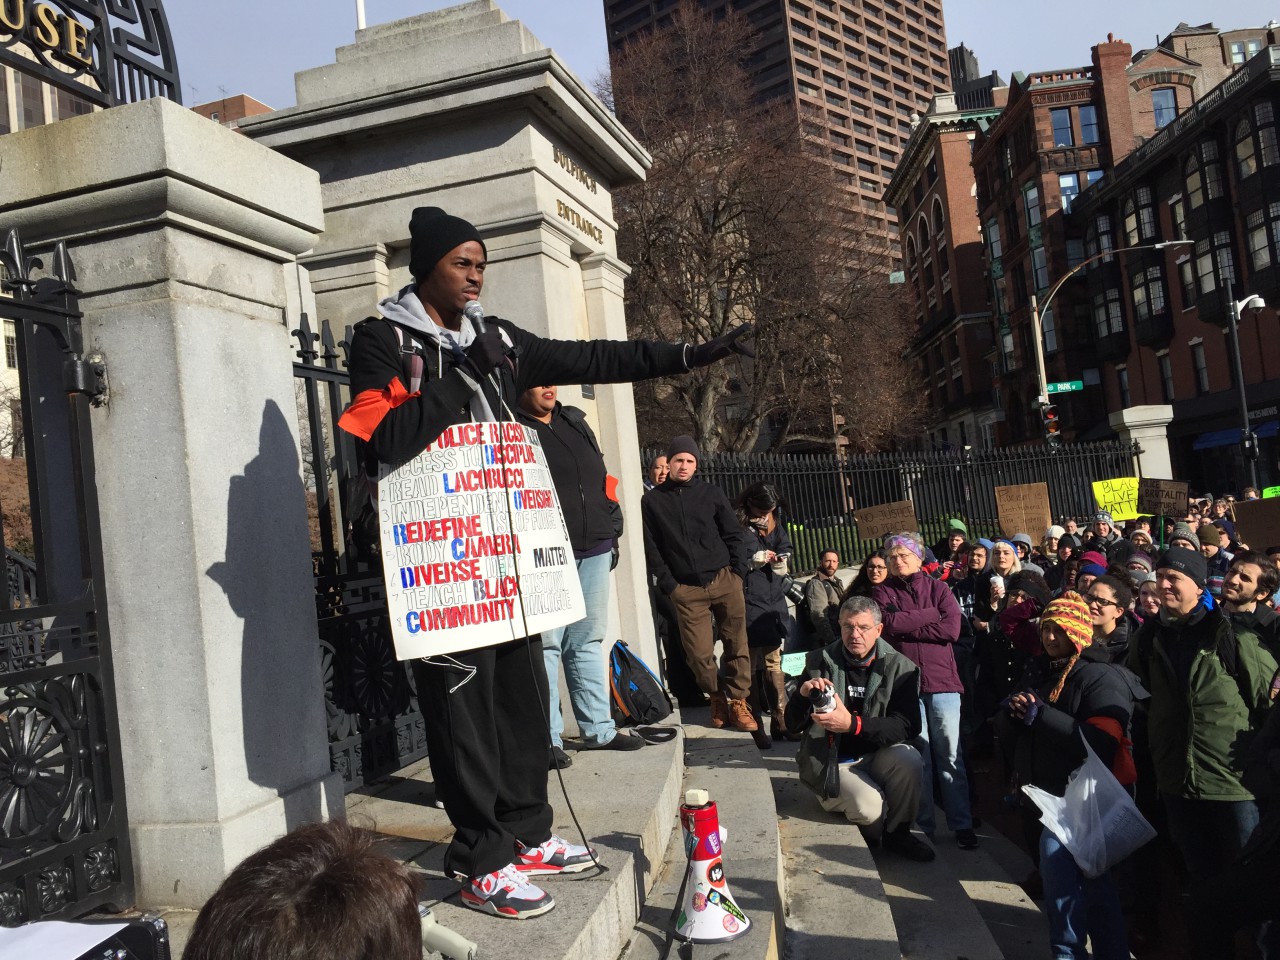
x: 742, y: 218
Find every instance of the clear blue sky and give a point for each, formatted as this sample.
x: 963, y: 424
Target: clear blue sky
x: 256, y: 46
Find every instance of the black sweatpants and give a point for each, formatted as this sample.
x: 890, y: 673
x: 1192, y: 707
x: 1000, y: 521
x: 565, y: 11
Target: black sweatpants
x: 488, y: 746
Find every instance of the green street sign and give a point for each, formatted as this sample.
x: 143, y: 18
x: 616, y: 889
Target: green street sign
x: 1067, y: 386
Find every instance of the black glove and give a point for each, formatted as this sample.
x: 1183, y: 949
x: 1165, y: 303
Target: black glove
x: 613, y: 561
x: 486, y: 351
x: 705, y: 354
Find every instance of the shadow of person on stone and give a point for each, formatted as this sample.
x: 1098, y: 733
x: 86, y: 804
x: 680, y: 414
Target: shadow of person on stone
x: 267, y: 579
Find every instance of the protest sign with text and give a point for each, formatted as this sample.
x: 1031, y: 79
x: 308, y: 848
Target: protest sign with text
x: 1161, y: 498
x: 1258, y: 523
x: 474, y: 546
x: 1024, y: 508
x: 886, y: 518
x: 1119, y: 497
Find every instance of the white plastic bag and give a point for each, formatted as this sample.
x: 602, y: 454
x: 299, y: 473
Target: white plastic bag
x: 1096, y: 819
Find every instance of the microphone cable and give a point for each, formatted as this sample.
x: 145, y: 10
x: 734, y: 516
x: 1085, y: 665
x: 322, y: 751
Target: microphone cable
x: 475, y: 313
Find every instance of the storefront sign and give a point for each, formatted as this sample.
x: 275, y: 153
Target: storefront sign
x: 107, y: 51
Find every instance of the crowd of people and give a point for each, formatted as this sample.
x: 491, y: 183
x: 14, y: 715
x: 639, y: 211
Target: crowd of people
x: 1154, y: 642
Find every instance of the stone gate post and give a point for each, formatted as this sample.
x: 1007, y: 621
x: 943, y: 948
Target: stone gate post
x: 184, y: 235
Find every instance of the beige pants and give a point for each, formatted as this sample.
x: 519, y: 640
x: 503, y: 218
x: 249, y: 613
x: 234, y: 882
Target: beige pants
x: 880, y: 790
x: 723, y: 596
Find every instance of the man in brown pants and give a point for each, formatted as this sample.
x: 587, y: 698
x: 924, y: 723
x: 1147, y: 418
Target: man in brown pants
x: 699, y: 554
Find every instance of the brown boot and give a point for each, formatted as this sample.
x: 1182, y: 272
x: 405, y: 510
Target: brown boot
x: 740, y: 717
x: 719, y: 710
x: 778, y: 706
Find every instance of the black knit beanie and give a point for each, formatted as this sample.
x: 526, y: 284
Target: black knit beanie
x: 433, y: 233
x: 684, y: 444
x: 1187, y: 562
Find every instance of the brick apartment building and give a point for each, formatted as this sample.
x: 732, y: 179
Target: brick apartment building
x: 858, y: 72
x: 941, y: 242
x: 1059, y: 133
x: 1212, y: 176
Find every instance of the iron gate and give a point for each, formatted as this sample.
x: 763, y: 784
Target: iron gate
x: 375, y: 727
x: 64, y: 841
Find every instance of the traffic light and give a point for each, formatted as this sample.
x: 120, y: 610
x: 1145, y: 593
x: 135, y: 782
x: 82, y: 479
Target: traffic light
x: 1052, y: 426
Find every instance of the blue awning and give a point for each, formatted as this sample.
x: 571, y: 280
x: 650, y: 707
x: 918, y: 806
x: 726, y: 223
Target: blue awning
x: 1225, y: 438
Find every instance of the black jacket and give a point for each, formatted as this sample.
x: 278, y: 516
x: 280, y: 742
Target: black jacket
x: 691, y: 533
x: 579, y: 474
x: 1046, y: 752
x: 768, y: 618
x: 406, y: 430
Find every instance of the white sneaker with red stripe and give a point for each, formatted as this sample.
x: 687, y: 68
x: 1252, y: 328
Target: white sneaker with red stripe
x: 505, y: 893
x: 555, y: 855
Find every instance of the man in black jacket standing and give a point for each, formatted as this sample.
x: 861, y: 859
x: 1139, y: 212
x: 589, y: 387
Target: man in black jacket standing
x: 699, y: 554
x: 416, y: 370
x: 594, y: 521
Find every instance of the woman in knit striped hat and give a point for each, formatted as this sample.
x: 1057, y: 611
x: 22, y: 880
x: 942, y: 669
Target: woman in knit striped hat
x: 1071, y: 691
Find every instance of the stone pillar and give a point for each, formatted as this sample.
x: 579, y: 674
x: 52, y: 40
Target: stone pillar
x: 1148, y: 425
x: 184, y: 235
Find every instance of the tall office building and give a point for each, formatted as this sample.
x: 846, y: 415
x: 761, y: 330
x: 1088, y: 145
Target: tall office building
x: 859, y: 72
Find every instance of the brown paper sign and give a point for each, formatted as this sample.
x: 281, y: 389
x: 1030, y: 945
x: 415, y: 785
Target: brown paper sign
x: 886, y: 518
x: 1258, y: 523
x: 1162, y: 497
x: 1024, y: 508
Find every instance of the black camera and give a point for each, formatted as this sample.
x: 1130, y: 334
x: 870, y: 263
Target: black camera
x: 822, y: 699
x: 794, y: 589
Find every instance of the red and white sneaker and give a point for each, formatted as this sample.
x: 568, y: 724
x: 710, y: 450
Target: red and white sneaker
x: 554, y: 856
x: 505, y: 893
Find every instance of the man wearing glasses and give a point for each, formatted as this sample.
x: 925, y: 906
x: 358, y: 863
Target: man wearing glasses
x: 857, y: 755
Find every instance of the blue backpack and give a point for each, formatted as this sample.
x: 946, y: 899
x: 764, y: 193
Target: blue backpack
x: 638, y: 696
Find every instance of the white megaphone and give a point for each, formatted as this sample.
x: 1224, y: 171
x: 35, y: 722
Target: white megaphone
x: 708, y: 913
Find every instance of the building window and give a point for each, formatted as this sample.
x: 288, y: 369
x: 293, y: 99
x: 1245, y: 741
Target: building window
x: 1069, y: 187
x: 1264, y: 118
x: 1031, y: 201
x: 1050, y: 332
x: 1091, y: 177
x: 1146, y: 214
x: 1100, y: 240
x: 1259, y: 247
x: 1212, y: 170
x: 1061, y: 119
x: 1187, y: 280
x: 1178, y: 217
x: 1130, y: 223
x: 1166, y: 376
x: 30, y: 101
x: 1246, y: 157
x: 1040, y: 266
x: 1107, y: 315
x: 1164, y: 100
x: 1195, y: 183
x: 1148, y: 293
x: 1122, y: 379
x: 66, y: 105
x: 1201, y: 365
x: 1075, y: 253
x: 1088, y: 124
x: 1243, y: 51
x: 993, y: 239
x: 10, y: 345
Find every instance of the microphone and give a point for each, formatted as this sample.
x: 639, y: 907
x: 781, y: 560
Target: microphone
x: 475, y: 313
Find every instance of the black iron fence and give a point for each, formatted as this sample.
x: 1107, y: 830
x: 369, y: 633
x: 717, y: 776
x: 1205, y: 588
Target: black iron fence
x: 375, y: 727
x: 64, y: 838
x: 822, y: 493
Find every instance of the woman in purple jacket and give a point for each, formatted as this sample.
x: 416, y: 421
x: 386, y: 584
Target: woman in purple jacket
x: 922, y: 621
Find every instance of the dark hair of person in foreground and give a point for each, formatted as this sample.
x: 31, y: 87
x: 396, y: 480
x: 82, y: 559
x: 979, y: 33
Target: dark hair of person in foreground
x: 323, y: 892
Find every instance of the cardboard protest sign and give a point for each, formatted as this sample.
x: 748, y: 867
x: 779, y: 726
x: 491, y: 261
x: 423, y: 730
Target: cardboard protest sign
x: 474, y: 546
x: 1119, y: 497
x: 1024, y: 508
x: 1258, y: 523
x: 1156, y: 498
x: 886, y: 518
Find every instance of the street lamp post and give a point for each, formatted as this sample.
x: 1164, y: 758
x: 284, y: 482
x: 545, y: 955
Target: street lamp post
x: 1247, y: 438
x: 1037, y: 310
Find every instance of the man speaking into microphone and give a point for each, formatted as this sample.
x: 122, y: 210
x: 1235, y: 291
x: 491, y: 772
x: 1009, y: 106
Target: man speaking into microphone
x: 427, y: 363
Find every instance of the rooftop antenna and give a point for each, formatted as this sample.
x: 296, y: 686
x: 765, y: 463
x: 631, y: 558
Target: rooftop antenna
x: 359, y: 14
